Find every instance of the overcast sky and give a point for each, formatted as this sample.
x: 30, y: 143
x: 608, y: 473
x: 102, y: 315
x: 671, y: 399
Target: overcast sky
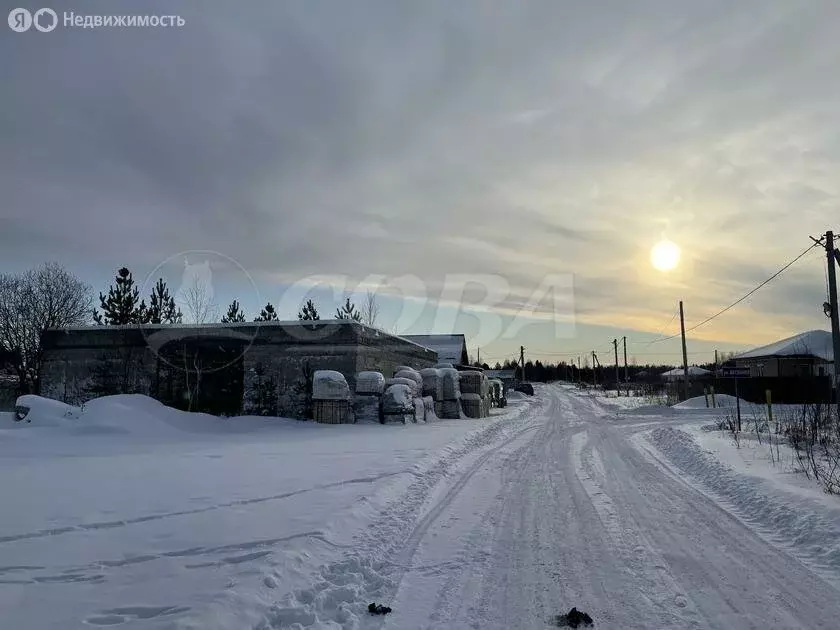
x: 426, y: 138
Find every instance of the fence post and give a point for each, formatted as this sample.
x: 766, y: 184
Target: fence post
x: 714, y: 404
x: 706, y: 396
x: 768, y: 396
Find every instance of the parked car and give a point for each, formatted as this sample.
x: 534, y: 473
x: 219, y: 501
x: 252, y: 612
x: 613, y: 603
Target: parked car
x: 525, y: 388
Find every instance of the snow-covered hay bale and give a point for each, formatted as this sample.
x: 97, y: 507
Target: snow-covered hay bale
x: 330, y: 385
x: 332, y: 411
x: 416, y: 389
x: 451, y: 387
x: 485, y: 386
x: 403, y: 368
x: 469, y: 381
x: 450, y: 409
x: 368, y: 383
x: 444, y: 366
x: 439, y: 408
x: 398, y: 398
x: 414, y: 375
x: 367, y: 409
x: 429, y: 405
x: 473, y: 405
x: 432, y: 383
x: 398, y: 403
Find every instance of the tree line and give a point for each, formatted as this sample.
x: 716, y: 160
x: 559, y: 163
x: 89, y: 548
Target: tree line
x: 49, y: 296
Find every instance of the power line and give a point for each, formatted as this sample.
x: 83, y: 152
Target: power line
x: 743, y: 297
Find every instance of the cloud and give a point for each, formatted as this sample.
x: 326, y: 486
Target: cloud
x: 433, y: 138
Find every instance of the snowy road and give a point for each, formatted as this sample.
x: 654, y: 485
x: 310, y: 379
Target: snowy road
x: 139, y: 516
x: 571, y: 513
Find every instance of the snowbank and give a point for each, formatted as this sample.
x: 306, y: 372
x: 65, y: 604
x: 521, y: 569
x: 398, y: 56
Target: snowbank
x: 721, y: 400
x: 809, y: 526
x: 222, y: 522
x: 47, y: 412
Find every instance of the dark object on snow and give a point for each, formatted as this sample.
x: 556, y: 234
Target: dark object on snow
x: 21, y: 411
x: 378, y: 609
x: 525, y: 388
x: 573, y: 619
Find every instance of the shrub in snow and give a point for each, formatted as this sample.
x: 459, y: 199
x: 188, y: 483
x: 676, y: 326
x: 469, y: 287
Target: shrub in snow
x: 329, y: 385
x: 370, y: 383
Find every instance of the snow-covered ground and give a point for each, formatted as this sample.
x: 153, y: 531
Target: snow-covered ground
x: 132, y: 513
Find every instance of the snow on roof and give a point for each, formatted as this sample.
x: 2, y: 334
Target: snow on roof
x: 693, y: 370
x: 815, y: 343
x: 449, y: 348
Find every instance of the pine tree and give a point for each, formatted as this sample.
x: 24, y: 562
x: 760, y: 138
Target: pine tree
x: 348, y: 311
x: 309, y: 312
x: 162, y: 309
x: 267, y: 314
x: 234, y: 314
x: 123, y: 304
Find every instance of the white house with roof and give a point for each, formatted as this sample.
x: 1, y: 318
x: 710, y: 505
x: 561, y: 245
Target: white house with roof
x: 807, y: 354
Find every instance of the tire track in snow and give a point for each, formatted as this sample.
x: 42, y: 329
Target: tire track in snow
x: 385, y: 554
x: 105, y: 525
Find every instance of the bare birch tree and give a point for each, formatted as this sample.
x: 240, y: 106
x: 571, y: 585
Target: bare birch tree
x: 370, y: 309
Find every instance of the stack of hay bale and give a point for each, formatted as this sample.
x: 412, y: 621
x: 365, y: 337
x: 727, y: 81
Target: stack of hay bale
x: 474, y: 393
x: 450, y: 408
x: 398, y: 401
x: 413, y: 375
x: 432, y: 392
x: 331, y: 398
x: 367, y: 405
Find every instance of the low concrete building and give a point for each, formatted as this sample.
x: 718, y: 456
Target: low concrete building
x: 806, y: 354
x: 252, y: 368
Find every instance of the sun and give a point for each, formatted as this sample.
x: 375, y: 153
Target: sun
x: 665, y: 255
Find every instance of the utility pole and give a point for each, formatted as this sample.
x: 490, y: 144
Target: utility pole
x: 579, y: 377
x: 479, y: 356
x: 626, y: 374
x: 685, y: 353
x: 522, y: 361
x: 617, y: 378
x: 835, y: 320
x: 594, y: 378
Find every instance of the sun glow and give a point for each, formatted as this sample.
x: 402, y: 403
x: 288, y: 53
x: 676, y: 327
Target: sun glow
x: 665, y: 255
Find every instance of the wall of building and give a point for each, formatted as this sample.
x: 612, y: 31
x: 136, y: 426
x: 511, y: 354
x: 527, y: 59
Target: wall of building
x: 277, y: 361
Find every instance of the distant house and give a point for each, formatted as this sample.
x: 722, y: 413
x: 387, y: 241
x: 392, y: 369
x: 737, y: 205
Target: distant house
x: 678, y: 374
x: 449, y: 348
x: 806, y: 354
